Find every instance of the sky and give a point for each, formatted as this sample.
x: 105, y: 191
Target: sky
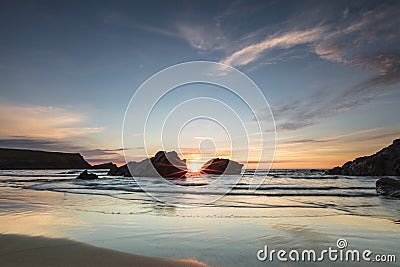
x: 330, y: 71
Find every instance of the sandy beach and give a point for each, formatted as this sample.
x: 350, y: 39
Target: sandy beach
x: 20, y: 250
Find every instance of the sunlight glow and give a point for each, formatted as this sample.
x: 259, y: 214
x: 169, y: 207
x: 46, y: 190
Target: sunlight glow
x: 194, y: 166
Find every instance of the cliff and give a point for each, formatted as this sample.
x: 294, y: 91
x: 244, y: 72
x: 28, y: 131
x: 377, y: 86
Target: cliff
x: 32, y: 159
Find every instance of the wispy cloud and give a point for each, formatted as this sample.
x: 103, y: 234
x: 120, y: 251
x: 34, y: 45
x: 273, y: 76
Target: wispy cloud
x: 341, y: 38
x: 104, y: 155
x: 42, y: 122
x: 286, y: 40
x: 367, y: 39
x: 349, y: 137
x: 23, y: 142
x: 351, y: 34
x: 203, y: 36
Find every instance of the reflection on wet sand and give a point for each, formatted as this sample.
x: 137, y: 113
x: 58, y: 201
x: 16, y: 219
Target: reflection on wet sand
x: 19, y: 250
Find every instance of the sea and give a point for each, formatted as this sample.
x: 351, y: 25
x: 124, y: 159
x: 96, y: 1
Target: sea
x: 290, y: 210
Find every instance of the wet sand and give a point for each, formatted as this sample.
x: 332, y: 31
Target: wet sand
x: 20, y: 250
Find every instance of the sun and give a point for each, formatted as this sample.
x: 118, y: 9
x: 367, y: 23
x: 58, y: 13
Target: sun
x: 194, y: 167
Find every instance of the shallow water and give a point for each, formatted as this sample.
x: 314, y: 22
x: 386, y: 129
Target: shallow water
x: 282, y: 189
x: 292, y: 209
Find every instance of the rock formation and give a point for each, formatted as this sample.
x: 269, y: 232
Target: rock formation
x: 388, y: 187
x: 221, y: 166
x: 87, y: 176
x: 120, y: 171
x: 168, y: 164
x: 384, y: 162
x: 164, y: 164
x: 108, y: 165
x: 14, y: 159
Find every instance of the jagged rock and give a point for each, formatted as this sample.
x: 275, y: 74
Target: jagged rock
x: 108, y: 165
x: 87, y: 176
x: 19, y: 159
x: 388, y: 187
x: 169, y: 165
x: 120, y: 171
x: 164, y: 164
x: 221, y: 166
x: 385, y: 162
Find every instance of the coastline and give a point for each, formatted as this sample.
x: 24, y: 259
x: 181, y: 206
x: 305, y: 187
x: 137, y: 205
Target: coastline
x: 122, y: 223
x: 21, y: 250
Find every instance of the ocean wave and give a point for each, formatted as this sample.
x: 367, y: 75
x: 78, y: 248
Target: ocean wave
x: 289, y: 192
x: 307, y: 188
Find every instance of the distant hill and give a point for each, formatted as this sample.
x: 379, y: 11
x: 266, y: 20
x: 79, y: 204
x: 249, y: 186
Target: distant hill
x: 31, y: 159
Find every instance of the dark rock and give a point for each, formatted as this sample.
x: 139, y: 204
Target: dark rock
x: 335, y: 171
x: 87, y: 176
x: 169, y: 165
x: 120, y: 171
x: 385, y: 162
x: 104, y: 166
x: 164, y: 164
x: 14, y: 159
x: 221, y: 166
x: 388, y: 187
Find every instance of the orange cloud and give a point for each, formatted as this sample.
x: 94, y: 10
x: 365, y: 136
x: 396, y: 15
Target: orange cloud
x: 330, y: 151
x: 42, y: 122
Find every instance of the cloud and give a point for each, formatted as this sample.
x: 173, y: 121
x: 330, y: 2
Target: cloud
x: 371, y: 24
x: 94, y: 156
x: 22, y: 142
x: 368, y: 39
x: 298, y: 113
x: 351, y: 34
x: 333, y: 33
x: 387, y: 65
x: 341, y: 140
x: 374, y: 31
x: 51, y: 129
x: 331, y: 48
x: 303, y: 141
x: 102, y: 152
x: 42, y: 122
x: 292, y: 126
x: 302, y: 113
x: 286, y: 40
x: 367, y: 134
x: 201, y: 36
x: 331, y: 150
x: 216, y: 32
